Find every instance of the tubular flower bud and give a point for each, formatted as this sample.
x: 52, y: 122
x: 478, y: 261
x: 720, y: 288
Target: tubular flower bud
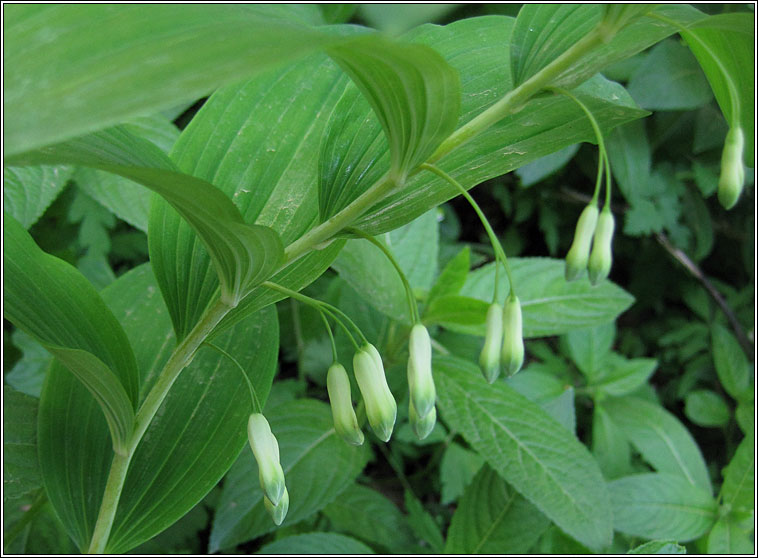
x: 420, y: 381
x: 578, y: 254
x: 421, y: 426
x: 266, y: 451
x: 489, y: 359
x: 512, y: 355
x: 345, y: 423
x: 601, y: 258
x: 278, y: 512
x: 381, y: 409
x: 732, y: 172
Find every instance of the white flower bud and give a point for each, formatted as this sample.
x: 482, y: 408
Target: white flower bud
x: 345, y: 422
x: 489, y: 359
x: 278, y: 512
x: 420, y: 381
x: 381, y: 409
x: 266, y: 451
x: 732, y: 176
x: 512, y: 355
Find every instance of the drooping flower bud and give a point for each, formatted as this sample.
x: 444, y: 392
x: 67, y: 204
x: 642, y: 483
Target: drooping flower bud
x: 420, y: 381
x: 381, y: 409
x: 601, y: 257
x: 489, y: 359
x: 345, y: 422
x: 266, y: 451
x: 579, y: 253
x: 512, y: 355
x: 732, y: 176
x: 421, y: 426
x: 278, y: 512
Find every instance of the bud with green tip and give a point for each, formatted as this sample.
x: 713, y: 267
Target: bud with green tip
x: 420, y: 381
x: 381, y: 409
x: 512, y: 354
x: 732, y: 172
x: 266, y: 451
x: 278, y: 512
x: 489, y: 359
x: 601, y: 257
x: 421, y: 426
x: 579, y: 253
x: 345, y: 422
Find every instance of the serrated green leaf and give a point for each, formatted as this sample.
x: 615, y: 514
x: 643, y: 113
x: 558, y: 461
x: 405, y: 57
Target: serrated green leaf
x: 541, y: 459
x: 661, y: 439
x: 706, y: 408
x: 316, y: 543
x: 457, y: 469
x: 422, y: 523
x: 550, y: 306
x: 370, y: 516
x: 28, y: 373
x: 56, y: 305
x: 28, y: 191
x: 739, y: 477
x: 492, y: 518
x: 307, y: 442
x: 661, y: 506
x: 453, y: 276
x: 731, y: 364
x: 555, y: 397
x: 609, y: 445
x: 587, y: 347
x: 727, y: 538
x: 620, y: 375
x: 659, y: 547
x: 73, y: 51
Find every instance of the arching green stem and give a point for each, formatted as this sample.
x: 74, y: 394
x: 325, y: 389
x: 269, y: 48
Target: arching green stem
x: 496, y: 246
x: 331, y: 337
x: 412, y: 306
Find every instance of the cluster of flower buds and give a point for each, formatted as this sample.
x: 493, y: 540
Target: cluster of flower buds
x: 596, y: 231
x: 421, y: 410
x: 270, y: 473
x: 503, y: 341
x: 732, y: 172
x: 381, y: 409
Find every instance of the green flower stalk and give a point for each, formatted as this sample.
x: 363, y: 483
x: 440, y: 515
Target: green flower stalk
x: 343, y: 414
x: 732, y: 176
x: 512, y: 354
x: 601, y: 257
x: 381, y: 409
x: 420, y: 381
x: 489, y: 359
x: 266, y: 451
x: 579, y: 253
x: 278, y: 512
x: 422, y: 426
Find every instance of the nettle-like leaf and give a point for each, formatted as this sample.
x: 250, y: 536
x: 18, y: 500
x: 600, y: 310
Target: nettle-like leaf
x: 316, y: 543
x: 28, y: 191
x: 53, y: 302
x: 196, y: 435
x: 541, y: 459
x: 242, y: 254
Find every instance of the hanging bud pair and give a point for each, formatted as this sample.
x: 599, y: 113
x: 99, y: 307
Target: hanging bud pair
x: 596, y: 231
x: 504, y: 340
x: 732, y: 176
x: 270, y: 474
x: 421, y: 412
x: 381, y: 409
x: 345, y: 421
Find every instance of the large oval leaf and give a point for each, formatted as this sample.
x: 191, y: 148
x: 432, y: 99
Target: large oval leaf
x: 536, y: 455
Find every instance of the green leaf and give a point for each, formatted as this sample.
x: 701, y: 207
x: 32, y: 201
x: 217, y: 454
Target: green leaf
x: 423, y: 524
x: 316, y: 543
x: 415, y: 95
x: 621, y: 376
x: 541, y: 459
x: 659, y: 547
x: 415, y: 247
x: 609, y: 445
x: 195, y: 437
x: 661, y: 439
x: 588, y: 347
x: 28, y: 373
x: 453, y: 276
x: 55, y: 304
x: 630, y: 156
x: 370, y: 516
x: 165, y: 55
x: 536, y: 171
x: 727, y: 538
x: 706, y: 408
x: 457, y: 469
x: 723, y: 44
x: 21, y: 476
x: 739, y: 477
x: 396, y: 18
x: 492, y: 518
x: 183, y: 537
x: 732, y: 366
x: 242, y: 254
x: 317, y: 465
x: 550, y: 306
x: 554, y: 396
x: 661, y: 506
x: 669, y: 79
x: 28, y: 191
